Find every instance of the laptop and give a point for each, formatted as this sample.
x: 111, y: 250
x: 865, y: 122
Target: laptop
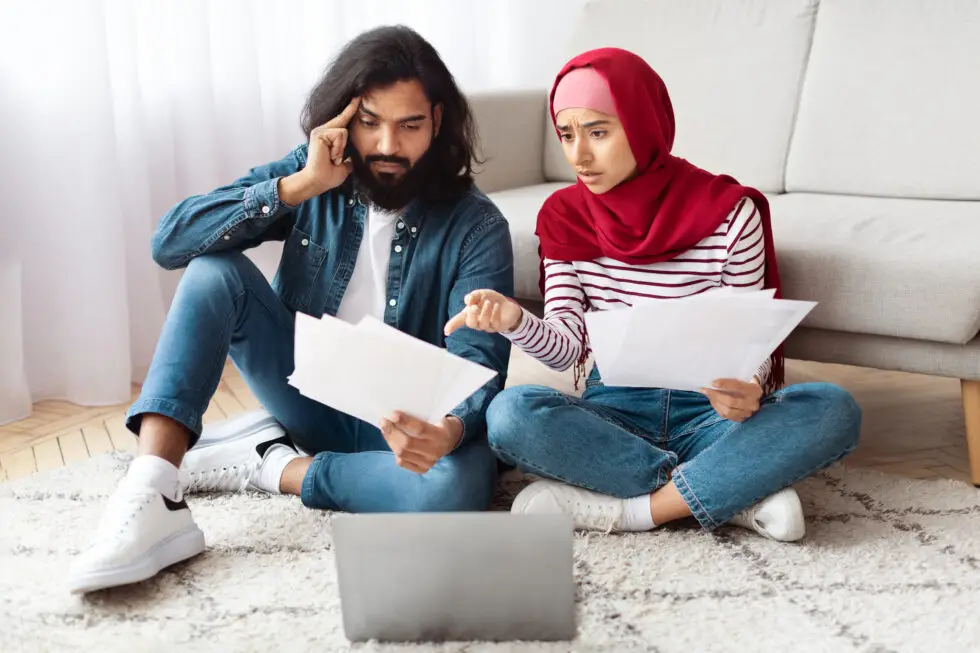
x: 435, y: 577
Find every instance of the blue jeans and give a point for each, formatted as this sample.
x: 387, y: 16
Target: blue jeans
x: 627, y: 442
x: 223, y: 306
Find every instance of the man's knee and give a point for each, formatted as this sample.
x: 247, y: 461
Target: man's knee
x: 214, y: 278
x: 215, y: 269
x: 463, y: 482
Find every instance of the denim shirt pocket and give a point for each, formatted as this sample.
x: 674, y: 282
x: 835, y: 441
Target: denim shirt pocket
x: 299, y: 269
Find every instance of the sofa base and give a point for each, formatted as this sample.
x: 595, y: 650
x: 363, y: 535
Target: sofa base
x: 971, y: 410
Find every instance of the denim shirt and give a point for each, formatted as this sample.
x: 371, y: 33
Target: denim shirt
x: 438, y: 255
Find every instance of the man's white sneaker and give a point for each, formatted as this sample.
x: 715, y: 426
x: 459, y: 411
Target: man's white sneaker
x: 236, y: 427
x: 778, y: 517
x: 141, y: 532
x: 588, y: 510
x: 233, y: 458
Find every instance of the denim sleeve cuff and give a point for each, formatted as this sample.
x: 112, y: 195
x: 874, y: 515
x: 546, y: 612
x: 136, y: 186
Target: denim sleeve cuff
x: 262, y: 200
x: 465, y: 417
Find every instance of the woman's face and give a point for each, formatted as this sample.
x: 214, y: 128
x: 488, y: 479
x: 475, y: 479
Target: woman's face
x: 596, y: 147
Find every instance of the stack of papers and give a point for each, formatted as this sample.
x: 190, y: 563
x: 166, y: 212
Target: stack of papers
x: 687, y: 344
x: 370, y: 370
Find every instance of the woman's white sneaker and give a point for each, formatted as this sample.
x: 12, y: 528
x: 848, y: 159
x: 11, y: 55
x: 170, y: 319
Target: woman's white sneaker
x: 588, y: 510
x: 141, y: 532
x: 778, y: 517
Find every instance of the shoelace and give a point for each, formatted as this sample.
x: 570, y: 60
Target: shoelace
x: 601, y: 516
x: 233, y: 478
x: 121, y: 508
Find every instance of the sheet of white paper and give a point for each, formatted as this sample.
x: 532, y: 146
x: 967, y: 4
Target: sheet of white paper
x: 370, y: 370
x: 335, y: 365
x: 458, y: 378
x: 686, y: 345
x: 607, y: 333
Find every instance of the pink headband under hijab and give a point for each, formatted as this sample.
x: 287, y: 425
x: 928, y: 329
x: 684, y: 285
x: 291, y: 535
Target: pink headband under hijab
x: 584, y: 88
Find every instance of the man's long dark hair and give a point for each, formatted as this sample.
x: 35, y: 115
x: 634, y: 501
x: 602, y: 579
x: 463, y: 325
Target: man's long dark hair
x: 381, y: 57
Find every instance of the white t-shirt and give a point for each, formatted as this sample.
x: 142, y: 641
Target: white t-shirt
x: 367, y: 291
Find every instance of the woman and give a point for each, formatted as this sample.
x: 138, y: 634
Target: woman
x: 641, y: 223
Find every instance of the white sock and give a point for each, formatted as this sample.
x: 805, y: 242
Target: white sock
x: 274, y: 462
x: 156, y: 472
x: 636, y: 514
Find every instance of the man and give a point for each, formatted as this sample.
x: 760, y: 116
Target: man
x: 380, y: 217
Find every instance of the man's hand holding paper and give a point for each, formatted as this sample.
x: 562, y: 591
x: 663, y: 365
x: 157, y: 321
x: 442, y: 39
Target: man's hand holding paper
x: 385, y: 377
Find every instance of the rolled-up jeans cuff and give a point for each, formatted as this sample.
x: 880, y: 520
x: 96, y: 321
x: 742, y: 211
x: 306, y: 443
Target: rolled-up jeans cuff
x: 308, y: 492
x: 690, y: 498
x: 183, y: 415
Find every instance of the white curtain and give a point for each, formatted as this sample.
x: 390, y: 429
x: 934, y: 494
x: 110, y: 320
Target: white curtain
x: 113, y: 110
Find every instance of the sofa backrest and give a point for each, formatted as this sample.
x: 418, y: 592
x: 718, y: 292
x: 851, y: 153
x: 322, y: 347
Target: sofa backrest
x: 891, y: 101
x: 733, y: 71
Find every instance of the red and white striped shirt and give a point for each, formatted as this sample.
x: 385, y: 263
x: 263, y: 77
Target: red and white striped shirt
x: 732, y: 256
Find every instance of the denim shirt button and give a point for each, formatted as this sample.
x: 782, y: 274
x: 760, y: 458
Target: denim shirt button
x: 265, y: 210
x: 392, y: 302
x: 304, y: 242
x: 350, y: 202
x: 398, y: 249
x: 227, y: 237
x: 401, y: 225
x: 414, y: 229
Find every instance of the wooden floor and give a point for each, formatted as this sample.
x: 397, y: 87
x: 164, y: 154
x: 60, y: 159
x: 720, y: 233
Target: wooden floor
x: 59, y: 433
x: 913, y: 425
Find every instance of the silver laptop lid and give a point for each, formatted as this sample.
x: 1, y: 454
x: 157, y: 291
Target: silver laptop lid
x: 455, y: 576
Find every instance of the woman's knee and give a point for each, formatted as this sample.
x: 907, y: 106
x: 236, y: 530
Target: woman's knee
x: 840, y: 415
x: 516, y: 412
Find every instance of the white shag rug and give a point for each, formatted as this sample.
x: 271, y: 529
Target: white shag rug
x: 888, y: 564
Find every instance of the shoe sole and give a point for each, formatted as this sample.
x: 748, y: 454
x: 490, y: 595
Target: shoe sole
x: 176, y: 548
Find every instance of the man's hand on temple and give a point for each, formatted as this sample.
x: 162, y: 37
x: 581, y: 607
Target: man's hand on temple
x: 419, y: 445
x: 326, y: 168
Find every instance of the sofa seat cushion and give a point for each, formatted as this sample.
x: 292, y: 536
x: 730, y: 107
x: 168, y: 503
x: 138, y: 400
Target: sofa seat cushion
x: 520, y: 206
x: 890, y: 267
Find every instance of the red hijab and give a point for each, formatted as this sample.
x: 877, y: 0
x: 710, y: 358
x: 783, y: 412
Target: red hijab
x: 667, y: 208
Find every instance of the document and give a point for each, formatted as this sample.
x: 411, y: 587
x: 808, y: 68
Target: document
x: 370, y: 370
x: 686, y: 344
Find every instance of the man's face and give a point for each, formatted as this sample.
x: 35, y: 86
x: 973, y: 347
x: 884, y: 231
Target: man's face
x: 391, y: 133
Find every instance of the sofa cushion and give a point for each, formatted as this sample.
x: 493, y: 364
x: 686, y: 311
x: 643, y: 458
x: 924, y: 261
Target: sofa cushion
x: 520, y: 206
x: 511, y: 140
x: 733, y: 70
x: 891, y: 101
x: 890, y: 267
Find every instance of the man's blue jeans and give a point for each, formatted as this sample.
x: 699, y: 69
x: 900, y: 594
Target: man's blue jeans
x: 626, y: 442
x: 223, y: 306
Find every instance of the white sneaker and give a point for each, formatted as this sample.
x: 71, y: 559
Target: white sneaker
x: 778, y: 517
x: 588, y: 510
x: 229, y: 458
x: 141, y: 532
x: 236, y: 427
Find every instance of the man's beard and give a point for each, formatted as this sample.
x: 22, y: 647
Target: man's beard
x: 387, y: 190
